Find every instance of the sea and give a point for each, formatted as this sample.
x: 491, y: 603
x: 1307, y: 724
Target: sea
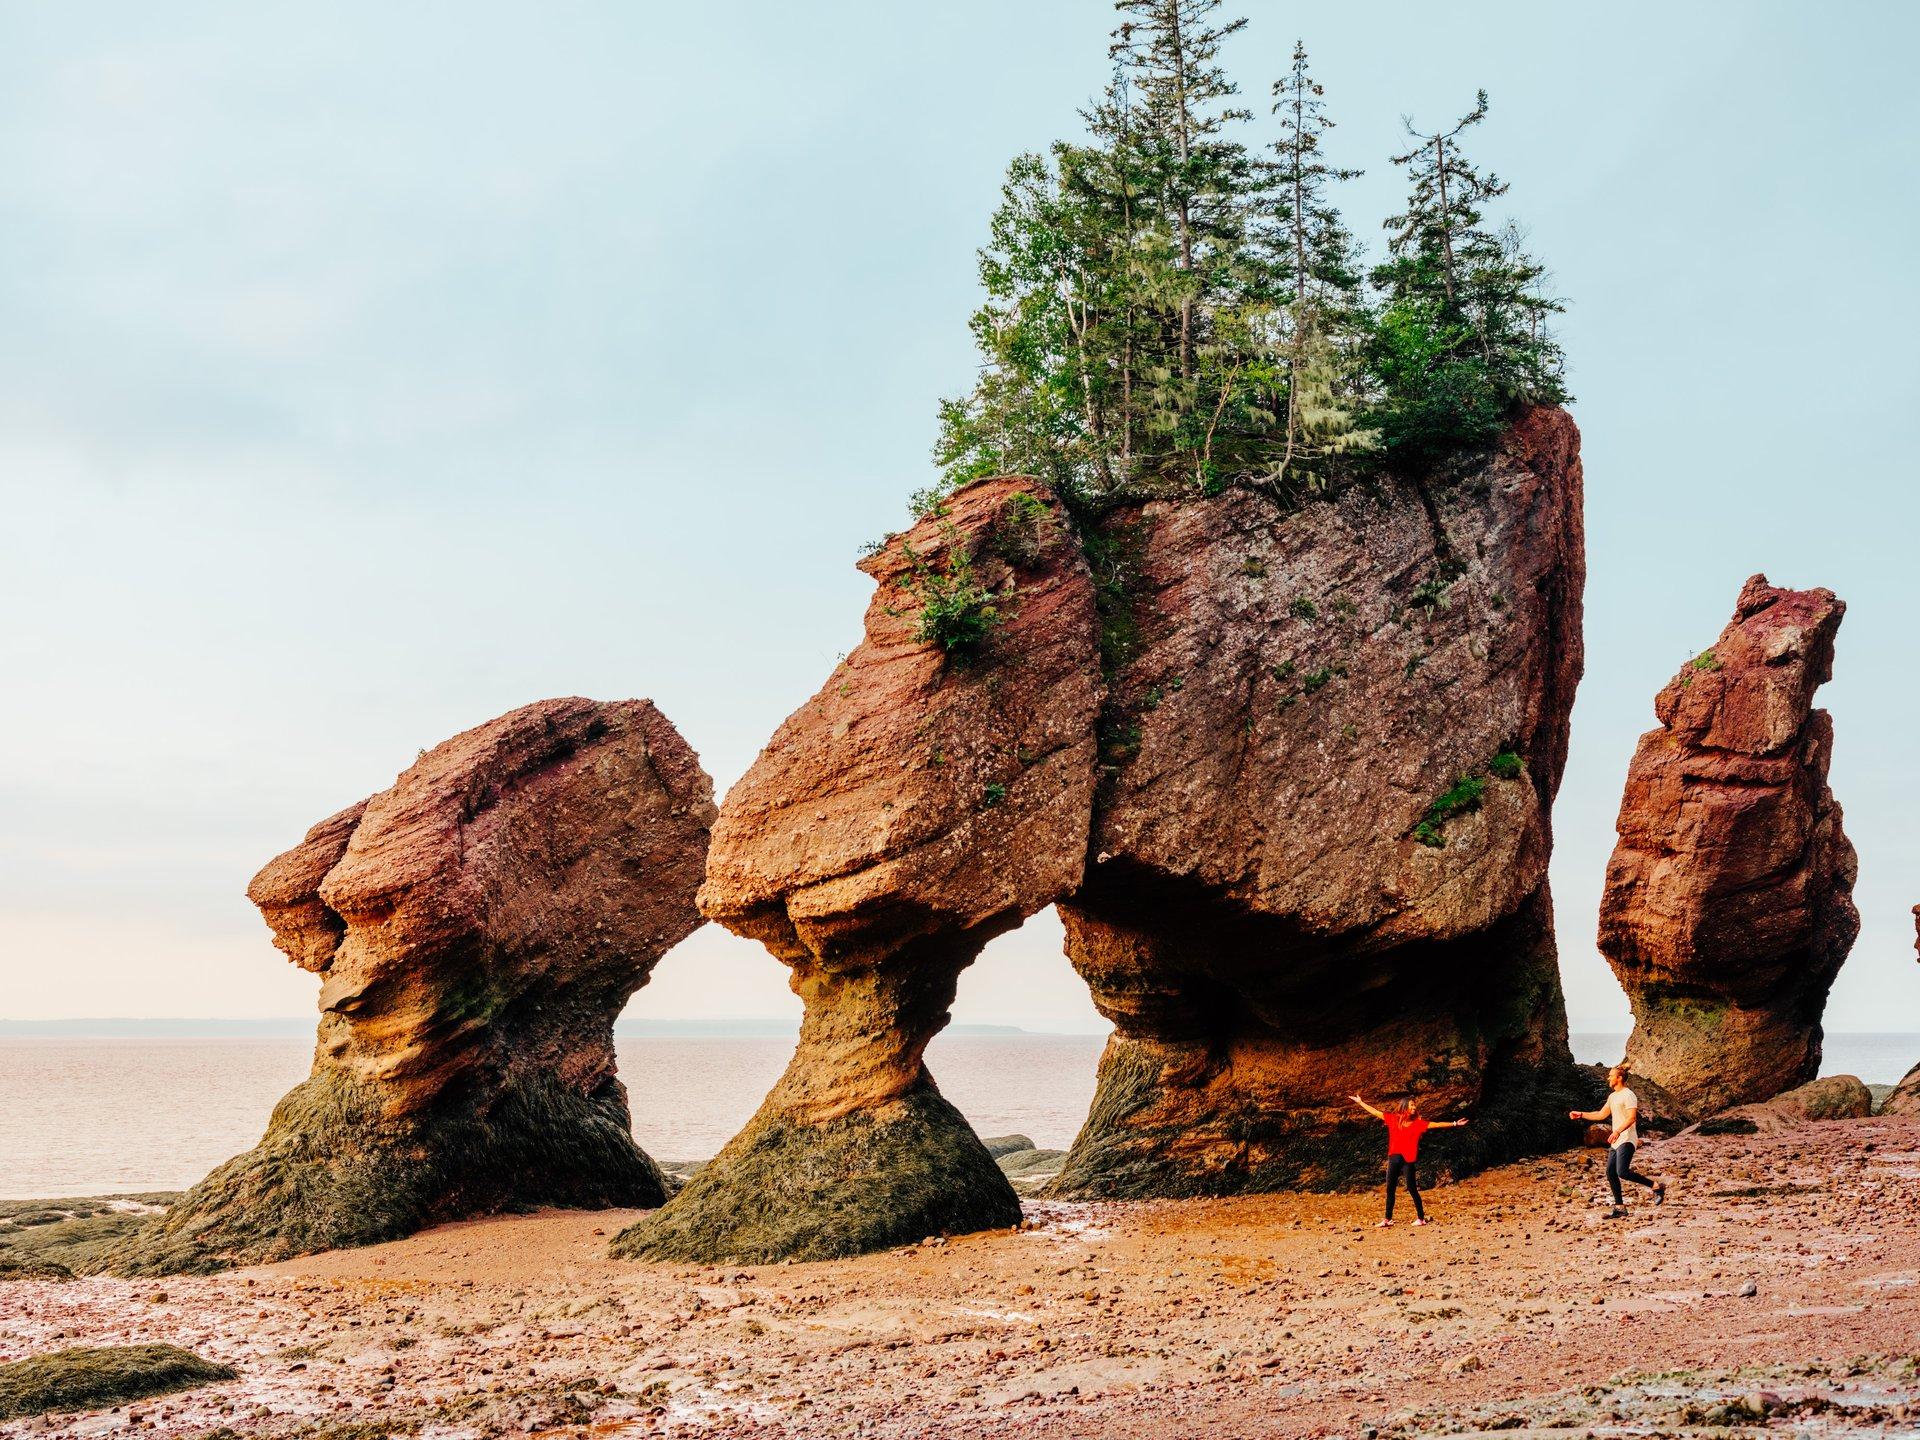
x: 92, y: 1116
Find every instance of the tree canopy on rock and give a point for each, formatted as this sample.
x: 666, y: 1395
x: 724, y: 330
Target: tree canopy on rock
x: 1171, y: 308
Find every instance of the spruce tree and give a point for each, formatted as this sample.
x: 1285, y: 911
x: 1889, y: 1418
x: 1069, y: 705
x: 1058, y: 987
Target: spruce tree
x: 1320, y: 285
x: 1164, y: 309
x: 1459, y: 340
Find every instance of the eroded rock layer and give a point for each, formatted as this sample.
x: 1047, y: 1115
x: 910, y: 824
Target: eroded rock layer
x: 1320, y: 848
x: 477, y: 929
x: 1728, y: 906
x: 929, y: 797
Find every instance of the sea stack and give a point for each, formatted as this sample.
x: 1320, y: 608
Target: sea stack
x: 933, y: 794
x: 1320, y: 846
x: 476, y: 929
x: 1286, y: 769
x: 1728, y: 906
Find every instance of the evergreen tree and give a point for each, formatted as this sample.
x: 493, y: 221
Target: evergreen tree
x: 1325, y: 315
x: 1171, y: 49
x: 1460, y: 339
x: 1164, y: 309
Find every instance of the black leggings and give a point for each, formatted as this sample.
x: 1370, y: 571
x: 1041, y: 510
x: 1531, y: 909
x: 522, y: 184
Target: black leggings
x: 1620, y: 1167
x: 1396, y: 1167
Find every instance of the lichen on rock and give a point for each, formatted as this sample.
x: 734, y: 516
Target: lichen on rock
x: 477, y: 928
x: 1728, y: 907
x: 928, y: 798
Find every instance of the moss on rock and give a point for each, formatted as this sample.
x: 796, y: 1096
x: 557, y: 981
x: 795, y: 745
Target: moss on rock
x: 869, y: 1180
x: 87, y: 1378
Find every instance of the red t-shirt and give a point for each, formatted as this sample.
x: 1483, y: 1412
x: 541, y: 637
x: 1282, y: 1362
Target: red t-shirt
x: 1403, y: 1134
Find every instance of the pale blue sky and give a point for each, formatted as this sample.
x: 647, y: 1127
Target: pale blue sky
x: 367, y: 370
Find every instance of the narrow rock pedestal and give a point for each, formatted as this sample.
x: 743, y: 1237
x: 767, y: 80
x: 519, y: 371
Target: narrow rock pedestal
x: 1728, y: 907
x: 934, y: 793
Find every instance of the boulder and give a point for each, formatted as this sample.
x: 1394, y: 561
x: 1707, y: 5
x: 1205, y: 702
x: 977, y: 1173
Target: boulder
x: 933, y: 794
x: 1905, y: 1099
x: 1835, y: 1097
x: 1728, y: 906
x: 1321, y: 842
x: 476, y: 929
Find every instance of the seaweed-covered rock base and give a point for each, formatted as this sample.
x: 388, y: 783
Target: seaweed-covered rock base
x: 334, y: 1170
x: 868, y: 1180
x: 97, y: 1378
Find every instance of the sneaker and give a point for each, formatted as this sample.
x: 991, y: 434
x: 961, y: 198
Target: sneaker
x: 1419, y: 1222
x: 1383, y: 1225
x: 1660, y: 1192
x: 1618, y: 1212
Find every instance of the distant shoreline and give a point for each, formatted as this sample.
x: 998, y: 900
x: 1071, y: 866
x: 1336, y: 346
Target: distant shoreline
x: 301, y: 1028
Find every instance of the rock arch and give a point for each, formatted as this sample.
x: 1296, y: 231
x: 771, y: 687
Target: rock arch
x: 924, y: 801
x: 477, y: 928
x: 1287, y: 770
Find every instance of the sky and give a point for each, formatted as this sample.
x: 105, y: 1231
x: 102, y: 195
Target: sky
x: 369, y: 370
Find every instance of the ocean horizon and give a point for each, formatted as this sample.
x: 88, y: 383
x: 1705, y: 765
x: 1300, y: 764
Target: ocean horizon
x: 148, y: 1109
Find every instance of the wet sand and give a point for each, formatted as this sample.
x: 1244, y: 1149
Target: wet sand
x: 1261, y: 1316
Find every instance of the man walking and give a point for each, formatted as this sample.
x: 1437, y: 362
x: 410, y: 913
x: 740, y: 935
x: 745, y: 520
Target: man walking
x: 1621, y: 1113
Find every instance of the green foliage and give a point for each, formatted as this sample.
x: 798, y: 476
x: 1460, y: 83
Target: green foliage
x: 1316, y: 679
x: 1507, y: 766
x: 1022, y: 530
x: 1167, y: 307
x: 1462, y: 798
x: 1301, y: 608
x: 90, y: 1378
x: 957, y: 612
x: 995, y: 794
x: 1429, y: 593
x: 1706, y: 660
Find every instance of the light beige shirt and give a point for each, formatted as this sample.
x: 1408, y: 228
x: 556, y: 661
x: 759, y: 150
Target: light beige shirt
x: 1620, y: 1104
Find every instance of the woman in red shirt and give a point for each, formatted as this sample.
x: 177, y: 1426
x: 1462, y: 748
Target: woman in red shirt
x: 1404, y: 1129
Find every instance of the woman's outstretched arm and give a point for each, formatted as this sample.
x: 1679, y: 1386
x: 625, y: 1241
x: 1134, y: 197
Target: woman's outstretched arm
x: 1366, y: 1107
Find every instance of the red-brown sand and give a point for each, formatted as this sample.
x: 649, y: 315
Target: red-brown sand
x: 1262, y: 1316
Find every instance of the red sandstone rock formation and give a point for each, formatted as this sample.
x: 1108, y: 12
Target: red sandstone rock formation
x: 477, y: 928
x: 1321, y: 847
x: 1728, y: 906
x: 924, y: 801
x: 1301, y: 844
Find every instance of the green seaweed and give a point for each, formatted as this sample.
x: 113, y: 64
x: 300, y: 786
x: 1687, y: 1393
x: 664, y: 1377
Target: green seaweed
x: 96, y: 1378
x: 333, y: 1171
x: 858, y: 1183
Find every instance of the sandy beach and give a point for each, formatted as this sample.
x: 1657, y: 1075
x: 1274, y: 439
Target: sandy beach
x: 1783, y: 1279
